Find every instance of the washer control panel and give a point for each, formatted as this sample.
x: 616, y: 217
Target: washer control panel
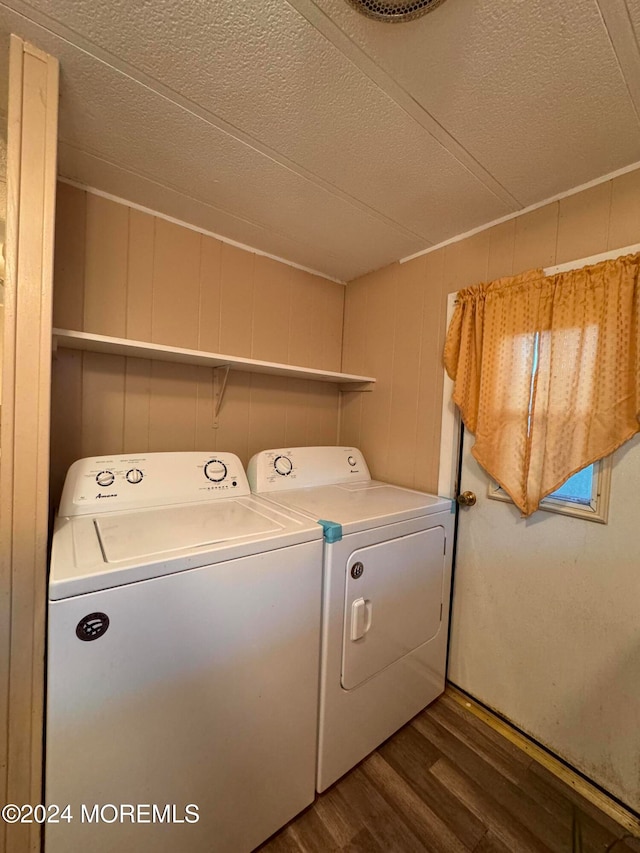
x: 298, y: 467
x: 108, y: 483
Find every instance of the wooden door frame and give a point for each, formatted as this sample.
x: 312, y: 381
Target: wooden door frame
x: 450, y: 429
x: 24, y: 471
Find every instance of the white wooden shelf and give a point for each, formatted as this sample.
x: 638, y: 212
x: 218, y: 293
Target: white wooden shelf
x: 158, y: 352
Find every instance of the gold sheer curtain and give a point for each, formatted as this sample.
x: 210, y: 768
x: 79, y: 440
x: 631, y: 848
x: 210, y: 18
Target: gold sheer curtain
x: 547, y: 372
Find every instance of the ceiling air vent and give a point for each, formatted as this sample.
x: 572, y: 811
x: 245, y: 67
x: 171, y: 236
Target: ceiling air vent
x: 394, y: 11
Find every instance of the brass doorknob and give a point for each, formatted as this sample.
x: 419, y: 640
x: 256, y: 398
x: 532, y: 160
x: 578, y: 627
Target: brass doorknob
x: 467, y: 499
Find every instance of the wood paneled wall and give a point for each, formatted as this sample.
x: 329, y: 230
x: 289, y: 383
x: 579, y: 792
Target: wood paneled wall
x: 394, y: 324
x: 126, y: 273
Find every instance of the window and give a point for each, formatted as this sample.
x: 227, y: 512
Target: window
x: 577, y: 489
x: 585, y: 495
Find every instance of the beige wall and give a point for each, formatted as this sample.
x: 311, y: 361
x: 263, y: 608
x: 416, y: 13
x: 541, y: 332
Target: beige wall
x: 3, y: 214
x: 126, y: 273
x: 129, y: 274
x: 395, y: 319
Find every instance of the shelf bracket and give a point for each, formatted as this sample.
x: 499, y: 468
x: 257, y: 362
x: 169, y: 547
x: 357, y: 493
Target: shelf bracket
x: 220, y: 376
x: 356, y: 386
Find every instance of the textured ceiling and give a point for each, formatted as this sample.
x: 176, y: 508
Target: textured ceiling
x: 312, y: 133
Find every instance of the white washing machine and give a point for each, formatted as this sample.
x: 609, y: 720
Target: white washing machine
x: 183, y: 658
x: 386, y: 590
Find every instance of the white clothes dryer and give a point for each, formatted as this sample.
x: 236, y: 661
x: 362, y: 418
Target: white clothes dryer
x: 386, y: 591
x: 183, y: 658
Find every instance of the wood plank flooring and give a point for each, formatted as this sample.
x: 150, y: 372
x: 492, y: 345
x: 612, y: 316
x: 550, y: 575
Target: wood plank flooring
x: 448, y: 783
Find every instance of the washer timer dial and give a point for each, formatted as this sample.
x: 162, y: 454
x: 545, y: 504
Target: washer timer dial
x: 283, y: 465
x: 215, y: 470
x: 105, y: 478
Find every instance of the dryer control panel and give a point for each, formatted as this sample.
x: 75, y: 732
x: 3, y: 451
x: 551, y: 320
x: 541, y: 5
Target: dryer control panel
x: 298, y: 467
x: 108, y: 483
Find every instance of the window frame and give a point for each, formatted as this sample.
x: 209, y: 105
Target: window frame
x: 598, y: 508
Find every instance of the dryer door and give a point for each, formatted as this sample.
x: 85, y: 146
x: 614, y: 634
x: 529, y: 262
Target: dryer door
x: 393, y: 602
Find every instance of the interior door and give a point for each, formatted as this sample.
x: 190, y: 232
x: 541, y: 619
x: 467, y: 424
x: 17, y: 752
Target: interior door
x: 545, y: 626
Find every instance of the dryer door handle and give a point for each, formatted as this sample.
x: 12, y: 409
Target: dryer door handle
x: 361, y: 615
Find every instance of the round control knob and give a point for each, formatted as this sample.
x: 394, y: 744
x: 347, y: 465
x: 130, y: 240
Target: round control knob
x: 283, y: 465
x: 351, y: 460
x: 105, y: 478
x: 215, y: 470
x: 135, y: 475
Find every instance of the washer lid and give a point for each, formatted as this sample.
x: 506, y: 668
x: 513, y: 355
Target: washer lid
x: 128, y: 536
x: 359, y: 506
x: 100, y: 551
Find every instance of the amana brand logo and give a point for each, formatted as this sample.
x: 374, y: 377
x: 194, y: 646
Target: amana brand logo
x: 92, y: 626
x: 112, y: 495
